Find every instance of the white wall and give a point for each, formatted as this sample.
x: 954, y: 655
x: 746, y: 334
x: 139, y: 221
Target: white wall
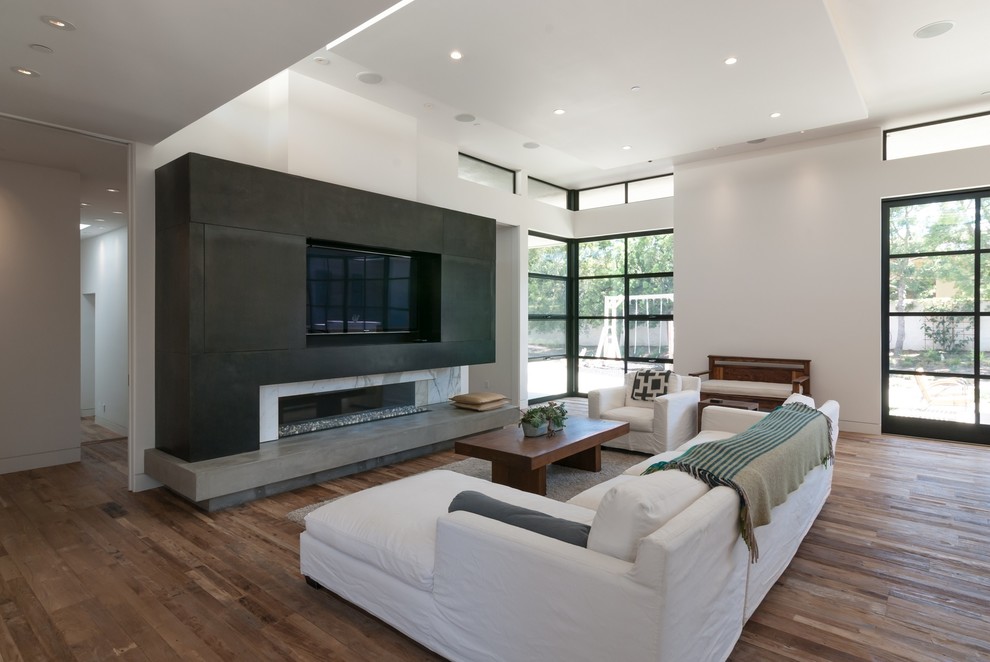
x: 87, y: 349
x: 104, y: 275
x: 778, y: 254
x: 39, y: 297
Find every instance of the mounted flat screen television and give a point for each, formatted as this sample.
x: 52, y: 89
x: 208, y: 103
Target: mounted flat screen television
x: 362, y: 290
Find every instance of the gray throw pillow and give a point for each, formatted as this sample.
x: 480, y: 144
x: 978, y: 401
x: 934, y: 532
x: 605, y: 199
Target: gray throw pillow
x: 531, y: 520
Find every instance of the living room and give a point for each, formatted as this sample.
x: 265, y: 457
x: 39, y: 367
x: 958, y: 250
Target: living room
x: 778, y: 248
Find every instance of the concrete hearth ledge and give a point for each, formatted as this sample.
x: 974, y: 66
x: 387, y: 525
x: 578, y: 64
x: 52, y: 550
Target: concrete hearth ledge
x: 315, y: 457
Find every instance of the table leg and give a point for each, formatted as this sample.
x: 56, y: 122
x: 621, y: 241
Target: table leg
x: 589, y: 460
x: 534, y: 481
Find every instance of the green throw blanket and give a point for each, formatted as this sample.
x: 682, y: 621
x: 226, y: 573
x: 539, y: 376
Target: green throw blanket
x: 763, y: 464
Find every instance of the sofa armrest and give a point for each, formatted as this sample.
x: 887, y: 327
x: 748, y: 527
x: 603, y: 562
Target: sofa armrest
x: 675, y: 418
x: 728, y: 419
x: 602, y: 399
x: 541, y: 590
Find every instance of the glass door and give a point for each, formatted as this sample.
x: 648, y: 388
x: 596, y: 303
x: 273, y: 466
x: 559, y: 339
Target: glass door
x: 937, y: 319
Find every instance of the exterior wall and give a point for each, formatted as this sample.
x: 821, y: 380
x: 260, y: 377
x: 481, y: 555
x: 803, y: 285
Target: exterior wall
x: 39, y: 297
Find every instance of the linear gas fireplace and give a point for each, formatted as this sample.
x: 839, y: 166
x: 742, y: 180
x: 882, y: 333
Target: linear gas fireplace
x: 299, y: 414
x: 300, y: 407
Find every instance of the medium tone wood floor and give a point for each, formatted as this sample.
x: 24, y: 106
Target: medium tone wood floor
x: 897, y: 567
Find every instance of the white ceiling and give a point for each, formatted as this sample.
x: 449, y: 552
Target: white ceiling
x: 141, y: 71
x: 827, y: 66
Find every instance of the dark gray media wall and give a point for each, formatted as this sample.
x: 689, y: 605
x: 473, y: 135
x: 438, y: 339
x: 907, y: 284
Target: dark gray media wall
x: 230, y: 308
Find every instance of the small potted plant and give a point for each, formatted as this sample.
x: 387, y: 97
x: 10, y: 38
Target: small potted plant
x: 543, y: 419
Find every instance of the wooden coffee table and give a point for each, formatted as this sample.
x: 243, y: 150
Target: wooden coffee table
x: 521, y: 462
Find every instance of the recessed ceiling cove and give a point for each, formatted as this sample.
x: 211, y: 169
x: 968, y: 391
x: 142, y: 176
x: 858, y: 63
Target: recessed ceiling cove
x: 528, y: 59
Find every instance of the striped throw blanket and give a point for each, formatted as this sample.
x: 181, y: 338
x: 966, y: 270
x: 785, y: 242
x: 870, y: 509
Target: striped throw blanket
x: 763, y: 464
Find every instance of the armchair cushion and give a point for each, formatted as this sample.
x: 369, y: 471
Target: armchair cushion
x: 640, y: 419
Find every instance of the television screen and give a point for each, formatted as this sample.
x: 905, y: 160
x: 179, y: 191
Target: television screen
x: 359, y: 291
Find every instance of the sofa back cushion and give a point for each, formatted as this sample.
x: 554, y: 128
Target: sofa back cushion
x: 636, y: 508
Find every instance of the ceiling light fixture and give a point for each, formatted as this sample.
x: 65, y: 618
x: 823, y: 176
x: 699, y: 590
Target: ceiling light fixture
x: 84, y: 204
x: 118, y: 212
x: 559, y: 111
x: 98, y: 220
x: 731, y: 60
x: 321, y: 60
x: 56, y: 22
x: 634, y: 88
x: 83, y: 226
x: 465, y: 117
x: 367, y: 24
x: 936, y: 29
x: 113, y: 190
x: 370, y: 77
x: 756, y: 141
x: 774, y: 115
x: 30, y: 73
x: 455, y: 55
x: 41, y: 48
x: 627, y: 147
x: 531, y: 145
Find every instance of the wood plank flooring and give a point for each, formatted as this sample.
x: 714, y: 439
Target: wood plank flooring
x: 897, y: 567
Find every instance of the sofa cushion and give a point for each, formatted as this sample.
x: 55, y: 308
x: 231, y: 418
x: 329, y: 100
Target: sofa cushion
x: 566, y: 530
x: 803, y: 399
x: 640, y: 418
x: 634, y: 509
x: 734, y: 387
x: 393, y: 526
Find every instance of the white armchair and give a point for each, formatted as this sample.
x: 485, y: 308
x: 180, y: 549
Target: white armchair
x: 655, y: 426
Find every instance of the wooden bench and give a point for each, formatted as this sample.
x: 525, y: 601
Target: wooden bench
x: 765, y: 381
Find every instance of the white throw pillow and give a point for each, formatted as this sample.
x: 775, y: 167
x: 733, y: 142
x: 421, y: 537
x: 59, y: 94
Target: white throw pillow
x: 674, y: 383
x: 636, y: 508
x: 803, y: 399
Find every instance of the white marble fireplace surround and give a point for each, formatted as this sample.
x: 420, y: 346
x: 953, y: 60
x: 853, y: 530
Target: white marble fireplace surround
x: 432, y: 387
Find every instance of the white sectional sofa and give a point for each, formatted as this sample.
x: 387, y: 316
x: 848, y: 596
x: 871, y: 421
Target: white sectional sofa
x: 665, y: 575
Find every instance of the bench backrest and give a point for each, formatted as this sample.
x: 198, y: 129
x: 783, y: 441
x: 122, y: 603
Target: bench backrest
x: 752, y: 369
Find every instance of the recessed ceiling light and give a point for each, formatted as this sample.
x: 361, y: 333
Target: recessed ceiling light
x: 634, y: 88
x: 731, y: 60
x: 56, y: 22
x: 321, y: 60
x: 30, y: 73
x: 559, y: 111
x: 756, y: 141
x: 113, y: 190
x: 627, y: 147
x: 84, y: 204
x: 456, y: 55
x: 99, y: 220
x: 370, y: 77
x: 428, y: 105
x: 83, y: 226
x: 531, y: 145
x: 118, y: 212
x: 465, y: 117
x: 935, y: 29
x: 41, y: 48
x: 774, y: 115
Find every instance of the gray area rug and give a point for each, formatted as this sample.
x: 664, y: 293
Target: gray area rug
x: 562, y: 482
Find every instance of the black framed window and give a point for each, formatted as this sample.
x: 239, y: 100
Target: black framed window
x: 637, y: 190
x: 487, y: 174
x: 936, y: 322
x: 617, y: 314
